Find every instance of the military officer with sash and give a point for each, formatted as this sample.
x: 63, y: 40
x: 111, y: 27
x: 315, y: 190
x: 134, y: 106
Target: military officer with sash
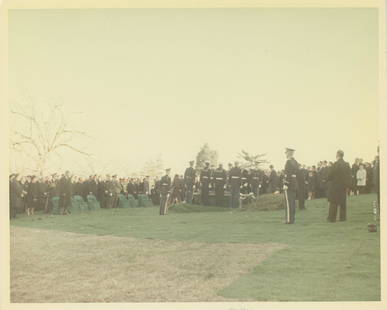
x: 205, y: 180
x: 165, y: 188
x: 189, y: 181
x: 219, y: 178
x: 290, y: 185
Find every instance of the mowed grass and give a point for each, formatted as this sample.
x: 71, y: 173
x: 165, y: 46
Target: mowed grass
x: 321, y: 261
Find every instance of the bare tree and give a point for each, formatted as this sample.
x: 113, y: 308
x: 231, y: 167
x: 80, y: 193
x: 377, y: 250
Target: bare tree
x: 252, y: 161
x: 40, y: 134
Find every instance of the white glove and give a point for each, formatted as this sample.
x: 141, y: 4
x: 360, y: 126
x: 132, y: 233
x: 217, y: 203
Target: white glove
x: 285, y: 187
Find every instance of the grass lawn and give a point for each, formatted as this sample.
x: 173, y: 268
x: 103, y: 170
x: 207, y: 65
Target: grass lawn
x: 312, y: 260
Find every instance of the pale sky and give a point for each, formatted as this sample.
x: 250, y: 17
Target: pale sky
x: 162, y: 82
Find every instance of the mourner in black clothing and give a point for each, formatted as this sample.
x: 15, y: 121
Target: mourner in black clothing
x: 340, y: 178
x: 65, y: 193
x: 311, y: 184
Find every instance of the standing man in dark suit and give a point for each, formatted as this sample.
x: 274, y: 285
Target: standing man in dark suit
x: 65, y: 192
x: 189, y: 181
x: 290, y: 185
x: 340, y: 178
x: 219, y: 178
x: 205, y: 179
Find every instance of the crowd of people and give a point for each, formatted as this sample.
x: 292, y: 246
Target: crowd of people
x: 31, y: 193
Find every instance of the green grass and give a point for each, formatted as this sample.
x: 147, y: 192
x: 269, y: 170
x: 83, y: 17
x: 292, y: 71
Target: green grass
x: 323, y: 261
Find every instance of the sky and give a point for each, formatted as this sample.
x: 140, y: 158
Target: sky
x: 159, y: 83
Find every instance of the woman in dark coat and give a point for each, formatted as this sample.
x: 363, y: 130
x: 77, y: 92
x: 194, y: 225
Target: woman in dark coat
x: 311, y: 180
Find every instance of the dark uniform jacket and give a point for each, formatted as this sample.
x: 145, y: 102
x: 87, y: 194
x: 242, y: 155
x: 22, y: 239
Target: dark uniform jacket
x: 189, y: 176
x: 165, y: 184
x: 291, y: 171
x: 254, y: 178
x: 205, y: 176
x: 235, y: 176
x: 130, y: 188
x: 340, y: 179
x: 219, y: 177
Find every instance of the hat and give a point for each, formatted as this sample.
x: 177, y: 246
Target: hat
x: 207, y: 163
x: 288, y: 149
x: 191, y: 161
x: 168, y: 169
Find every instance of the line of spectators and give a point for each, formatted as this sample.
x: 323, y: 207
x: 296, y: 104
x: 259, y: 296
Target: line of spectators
x: 31, y: 193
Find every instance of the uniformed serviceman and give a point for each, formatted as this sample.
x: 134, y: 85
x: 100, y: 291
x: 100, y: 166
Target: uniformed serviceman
x: 189, y: 181
x: 235, y: 175
x: 165, y: 187
x: 219, y: 179
x: 290, y: 186
x: 205, y: 179
x: 255, y: 181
